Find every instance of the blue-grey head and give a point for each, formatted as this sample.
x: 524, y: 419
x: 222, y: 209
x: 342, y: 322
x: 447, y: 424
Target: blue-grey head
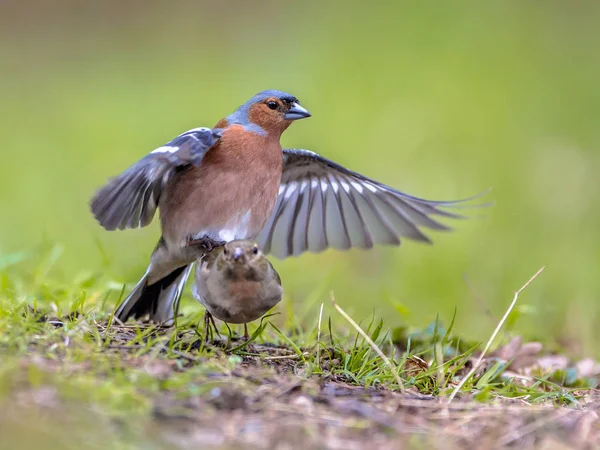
x: 271, y: 111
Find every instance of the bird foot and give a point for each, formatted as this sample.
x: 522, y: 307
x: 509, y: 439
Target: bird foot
x: 205, y: 244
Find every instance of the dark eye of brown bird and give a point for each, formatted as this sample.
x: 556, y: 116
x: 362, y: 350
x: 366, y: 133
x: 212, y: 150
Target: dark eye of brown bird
x: 272, y: 105
x: 255, y: 250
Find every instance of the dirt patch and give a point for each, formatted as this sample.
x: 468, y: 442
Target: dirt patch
x: 74, y: 382
x: 271, y: 404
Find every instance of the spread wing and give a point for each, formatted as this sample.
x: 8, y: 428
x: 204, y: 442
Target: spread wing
x: 130, y: 199
x: 321, y: 204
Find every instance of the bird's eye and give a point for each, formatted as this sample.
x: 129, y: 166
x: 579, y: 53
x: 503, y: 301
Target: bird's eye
x: 225, y: 250
x: 255, y: 250
x: 272, y: 104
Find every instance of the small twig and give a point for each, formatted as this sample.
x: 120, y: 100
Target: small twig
x: 182, y: 355
x: 274, y: 358
x: 371, y: 343
x: 125, y: 347
x: 493, y: 336
x: 319, y: 337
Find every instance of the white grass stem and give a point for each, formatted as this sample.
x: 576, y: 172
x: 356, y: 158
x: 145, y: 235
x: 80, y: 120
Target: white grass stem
x: 493, y: 336
x: 319, y: 337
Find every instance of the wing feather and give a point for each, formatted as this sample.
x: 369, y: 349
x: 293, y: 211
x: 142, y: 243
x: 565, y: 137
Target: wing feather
x: 130, y: 199
x: 322, y: 204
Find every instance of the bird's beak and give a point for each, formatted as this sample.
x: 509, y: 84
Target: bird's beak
x: 237, y: 253
x: 296, y: 112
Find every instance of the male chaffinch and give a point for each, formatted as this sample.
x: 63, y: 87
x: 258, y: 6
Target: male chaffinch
x: 234, y: 181
x: 236, y: 283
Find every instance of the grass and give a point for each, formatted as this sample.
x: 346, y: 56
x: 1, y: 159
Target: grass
x: 442, y: 102
x: 66, y: 368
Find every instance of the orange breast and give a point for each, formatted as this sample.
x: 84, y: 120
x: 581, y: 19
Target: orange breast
x: 230, y: 196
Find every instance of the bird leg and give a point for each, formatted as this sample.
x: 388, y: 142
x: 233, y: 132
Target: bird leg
x: 209, y: 325
x: 214, y: 324
x: 207, y: 329
x: 246, y: 335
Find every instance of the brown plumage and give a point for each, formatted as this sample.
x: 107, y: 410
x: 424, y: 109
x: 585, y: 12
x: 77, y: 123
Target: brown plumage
x: 230, y: 163
x: 237, y: 283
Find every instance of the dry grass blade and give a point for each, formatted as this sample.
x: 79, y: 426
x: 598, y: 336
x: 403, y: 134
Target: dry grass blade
x: 371, y: 343
x: 493, y: 336
x: 319, y: 337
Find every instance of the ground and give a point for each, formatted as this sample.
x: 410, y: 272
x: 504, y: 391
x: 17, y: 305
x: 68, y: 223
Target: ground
x: 80, y: 380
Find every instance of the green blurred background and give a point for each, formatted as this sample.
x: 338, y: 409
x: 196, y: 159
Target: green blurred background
x: 442, y: 100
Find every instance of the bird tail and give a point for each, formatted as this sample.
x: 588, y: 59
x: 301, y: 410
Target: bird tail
x: 159, y: 300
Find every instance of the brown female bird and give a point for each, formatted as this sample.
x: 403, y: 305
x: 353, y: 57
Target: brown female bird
x: 236, y: 283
